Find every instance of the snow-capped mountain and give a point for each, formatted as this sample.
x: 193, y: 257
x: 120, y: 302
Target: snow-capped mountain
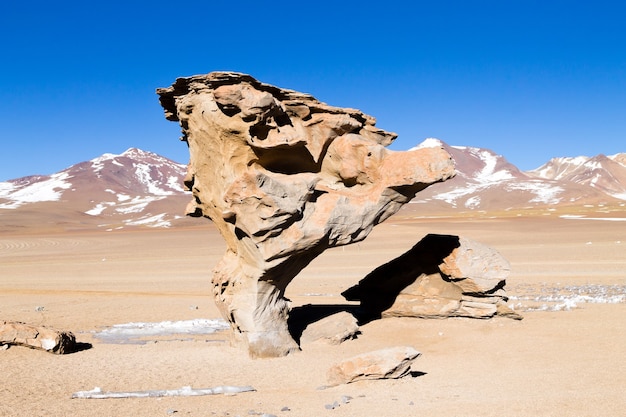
x: 605, y: 173
x: 139, y: 188
x: 487, y: 181
x: 131, y: 189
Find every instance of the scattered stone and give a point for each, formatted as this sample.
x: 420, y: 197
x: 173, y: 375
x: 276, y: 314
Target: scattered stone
x: 441, y: 276
x: 346, y: 399
x: 389, y: 363
x: 36, y: 337
x: 284, y: 177
x: 331, y: 406
x: 39, y: 308
x: 285, y: 409
x: 332, y: 330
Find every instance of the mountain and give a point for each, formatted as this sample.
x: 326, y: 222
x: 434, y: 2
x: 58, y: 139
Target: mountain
x: 142, y: 189
x: 486, y: 181
x: 604, y: 173
x: 135, y: 188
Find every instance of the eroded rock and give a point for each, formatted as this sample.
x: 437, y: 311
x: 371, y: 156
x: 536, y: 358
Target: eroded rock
x: 332, y: 330
x: 284, y: 177
x: 36, y: 337
x: 441, y: 276
x: 391, y: 363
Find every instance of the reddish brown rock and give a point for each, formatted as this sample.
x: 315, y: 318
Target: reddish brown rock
x: 284, y: 177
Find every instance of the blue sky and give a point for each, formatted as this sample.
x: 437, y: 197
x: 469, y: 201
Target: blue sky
x: 530, y: 80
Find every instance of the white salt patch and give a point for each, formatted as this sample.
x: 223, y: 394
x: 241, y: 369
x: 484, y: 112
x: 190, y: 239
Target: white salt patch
x: 130, y: 332
x: 608, y: 219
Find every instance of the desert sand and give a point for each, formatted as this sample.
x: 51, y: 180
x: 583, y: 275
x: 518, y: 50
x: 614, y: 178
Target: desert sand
x: 565, y: 358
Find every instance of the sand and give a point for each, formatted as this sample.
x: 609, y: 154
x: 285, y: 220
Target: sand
x: 569, y: 362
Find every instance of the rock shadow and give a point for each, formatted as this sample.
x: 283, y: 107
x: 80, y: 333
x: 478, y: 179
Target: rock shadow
x: 379, y: 289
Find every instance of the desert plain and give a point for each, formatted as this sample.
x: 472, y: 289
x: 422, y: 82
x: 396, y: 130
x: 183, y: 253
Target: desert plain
x: 567, y: 357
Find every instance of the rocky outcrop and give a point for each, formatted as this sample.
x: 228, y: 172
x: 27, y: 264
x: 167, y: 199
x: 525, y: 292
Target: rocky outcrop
x: 441, y: 276
x: 391, y: 363
x: 284, y: 177
x: 36, y: 337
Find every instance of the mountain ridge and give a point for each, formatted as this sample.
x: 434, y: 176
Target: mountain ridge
x: 139, y: 188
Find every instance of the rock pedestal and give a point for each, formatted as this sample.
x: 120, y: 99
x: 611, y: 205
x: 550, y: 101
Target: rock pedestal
x: 284, y: 177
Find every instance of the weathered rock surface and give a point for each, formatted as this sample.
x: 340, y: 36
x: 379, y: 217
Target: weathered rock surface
x: 36, y: 337
x: 332, y: 330
x: 441, y: 276
x: 284, y: 177
x: 391, y: 363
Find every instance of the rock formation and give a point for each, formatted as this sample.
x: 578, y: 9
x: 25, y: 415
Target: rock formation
x: 284, y: 177
x: 36, y: 337
x: 333, y: 330
x: 441, y: 276
x: 390, y: 363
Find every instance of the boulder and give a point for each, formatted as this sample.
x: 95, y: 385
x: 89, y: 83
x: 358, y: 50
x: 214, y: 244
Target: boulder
x: 283, y: 177
x: 332, y: 330
x: 441, y: 276
x: 391, y: 363
x: 36, y: 337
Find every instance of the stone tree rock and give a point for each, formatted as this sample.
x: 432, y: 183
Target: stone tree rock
x: 284, y: 177
x: 441, y: 276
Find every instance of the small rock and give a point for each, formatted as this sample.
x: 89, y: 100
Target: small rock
x: 37, y: 337
x: 346, y: 399
x: 333, y: 329
x: 285, y: 409
x: 388, y: 363
x: 331, y: 406
x: 39, y: 308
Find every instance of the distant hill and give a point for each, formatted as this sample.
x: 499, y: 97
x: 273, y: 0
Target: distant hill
x: 135, y: 188
x: 142, y: 189
x: 487, y: 182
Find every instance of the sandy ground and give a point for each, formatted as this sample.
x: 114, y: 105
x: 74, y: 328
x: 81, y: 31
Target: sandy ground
x: 552, y: 363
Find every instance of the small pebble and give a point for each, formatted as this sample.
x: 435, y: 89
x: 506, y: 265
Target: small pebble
x: 346, y: 399
x: 332, y: 406
x: 285, y: 408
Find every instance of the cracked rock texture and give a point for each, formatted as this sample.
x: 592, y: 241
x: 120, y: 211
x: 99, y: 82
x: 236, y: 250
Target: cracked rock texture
x: 284, y: 177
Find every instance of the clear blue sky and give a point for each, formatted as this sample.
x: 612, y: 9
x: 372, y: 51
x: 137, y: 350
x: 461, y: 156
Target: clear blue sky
x: 527, y: 79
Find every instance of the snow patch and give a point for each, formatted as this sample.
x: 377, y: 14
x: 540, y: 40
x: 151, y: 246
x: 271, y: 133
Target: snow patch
x: 137, y: 204
x: 428, y: 143
x: 47, y: 190
x: 152, y: 221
